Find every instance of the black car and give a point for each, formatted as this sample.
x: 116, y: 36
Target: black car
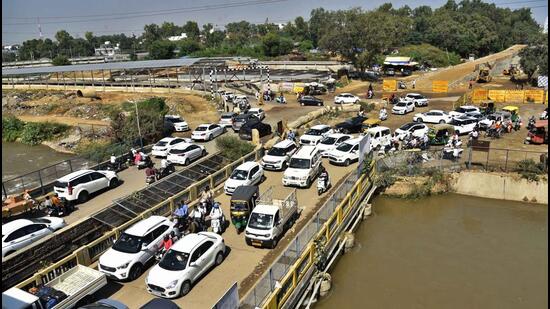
x: 241, y: 119
x: 245, y: 132
x: 309, y: 100
x: 352, y: 125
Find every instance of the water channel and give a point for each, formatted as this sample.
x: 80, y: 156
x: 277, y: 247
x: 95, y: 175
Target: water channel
x: 18, y: 158
x: 447, y: 251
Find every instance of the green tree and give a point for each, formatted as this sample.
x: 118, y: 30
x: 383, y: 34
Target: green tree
x: 161, y: 50
x: 151, y: 120
x: 188, y: 46
x: 275, y: 45
x: 191, y: 29
x: 534, y: 58
x: 60, y: 60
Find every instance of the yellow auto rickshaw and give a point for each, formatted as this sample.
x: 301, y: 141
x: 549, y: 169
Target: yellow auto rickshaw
x: 439, y: 134
x: 511, y: 109
x: 242, y: 203
x: 370, y: 123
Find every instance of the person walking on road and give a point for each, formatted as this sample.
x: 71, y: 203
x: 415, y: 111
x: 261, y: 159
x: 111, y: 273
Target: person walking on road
x: 414, y: 84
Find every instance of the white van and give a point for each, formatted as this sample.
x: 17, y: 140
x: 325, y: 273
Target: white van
x: 346, y: 153
x: 279, y: 155
x: 303, y: 168
x: 379, y: 137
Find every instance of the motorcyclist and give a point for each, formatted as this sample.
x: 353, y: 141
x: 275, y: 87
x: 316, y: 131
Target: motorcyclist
x: 167, y: 242
x: 455, y: 139
x: 137, y: 157
x: 291, y: 135
x: 181, y: 212
x: 544, y: 114
x: 199, y: 214
x: 207, y: 195
x: 151, y: 171
x: 216, y: 214
x: 383, y: 114
x: 426, y: 140
x: 324, y: 177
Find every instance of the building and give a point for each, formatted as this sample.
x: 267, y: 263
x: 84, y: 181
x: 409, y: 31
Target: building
x: 107, y: 49
x: 180, y: 37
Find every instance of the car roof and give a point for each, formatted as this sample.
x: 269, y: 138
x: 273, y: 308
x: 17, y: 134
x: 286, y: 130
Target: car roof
x: 15, y: 225
x: 266, y: 209
x: 229, y: 114
x: 167, y: 139
x: 337, y: 135
x: 254, y: 109
x: 377, y: 129
x: 205, y: 125
x: 183, y: 145
x: 468, y: 106
x: 283, y: 144
x: 436, y: 110
x: 305, y: 152
x: 188, y: 242
x: 247, y: 165
x: 74, y: 175
x: 320, y: 126
x: 142, y: 227
x: 346, y: 93
x: 415, y: 94
x: 354, y: 141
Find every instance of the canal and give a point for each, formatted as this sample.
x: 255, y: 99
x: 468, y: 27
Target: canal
x: 447, y: 251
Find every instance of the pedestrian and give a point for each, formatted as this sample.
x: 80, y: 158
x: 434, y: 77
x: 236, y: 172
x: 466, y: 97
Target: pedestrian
x: 521, y: 86
x: 414, y: 83
x: 471, y: 84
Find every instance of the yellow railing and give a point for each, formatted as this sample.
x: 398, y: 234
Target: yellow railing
x: 327, y: 232
x: 88, y: 254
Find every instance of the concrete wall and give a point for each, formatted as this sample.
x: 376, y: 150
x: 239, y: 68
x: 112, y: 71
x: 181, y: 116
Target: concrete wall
x: 500, y: 186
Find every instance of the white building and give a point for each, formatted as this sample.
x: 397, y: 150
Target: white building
x: 107, y: 49
x: 178, y: 37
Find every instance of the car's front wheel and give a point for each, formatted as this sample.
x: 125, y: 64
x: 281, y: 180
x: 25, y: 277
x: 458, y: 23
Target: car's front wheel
x: 419, y: 120
x: 441, y: 121
x: 219, y: 258
x: 135, y: 272
x: 113, y: 183
x: 185, y: 288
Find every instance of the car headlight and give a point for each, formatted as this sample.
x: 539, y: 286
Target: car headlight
x: 172, y: 284
x: 123, y: 266
x: 303, y: 178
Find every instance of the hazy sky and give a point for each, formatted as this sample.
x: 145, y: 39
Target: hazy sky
x: 19, y: 18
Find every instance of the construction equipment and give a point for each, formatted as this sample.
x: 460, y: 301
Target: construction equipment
x: 484, y: 72
x: 513, y: 71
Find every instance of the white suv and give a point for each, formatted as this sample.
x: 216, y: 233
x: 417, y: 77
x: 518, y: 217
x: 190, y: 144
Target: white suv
x: 79, y: 185
x: 346, y: 98
x: 186, y: 261
x: 162, y: 147
x: 246, y: 174
x: 433, y: 116
x: 278, y: 156
x: 463, y: 110
x: 345, y: 153
x: 134, y: 248
x: 20, y: 233
x: 315, y: 134
x: 303, y: 168
x: 332, y: 141
x: 418, y: 99
x: 403, y: 107
x: 379, y: 137
x: 180, y: 125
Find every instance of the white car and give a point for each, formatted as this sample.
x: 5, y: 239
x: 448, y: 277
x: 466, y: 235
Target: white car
x: 464, y: 125
x: 403, y: 107
x: 206, y: 132
x: 345, y: 153
x: 22, y: 232
x: 226, y: 119
x: 134, y: 248
x: 379, y: 137
x: 180, y: 125
x: 418, y: 99
x: 246, y: 174
x: 332, y: 141
x: 315, y: 134
x: 346, y: 98
x: 463, y: 110
x: 278, y: 156
x: 78, y: 186
x: 257, y: 112
x: 185, y: 153
x: 186, y: 261
x: 433, y: 116
x: 162, y: 147
x: 414, y: 128
x: 303, y: 168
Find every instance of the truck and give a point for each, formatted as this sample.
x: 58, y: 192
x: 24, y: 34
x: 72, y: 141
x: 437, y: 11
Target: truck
x: 271, y: 218
x: 77, y: 283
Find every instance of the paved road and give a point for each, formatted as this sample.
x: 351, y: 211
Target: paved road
x: 240, y: 262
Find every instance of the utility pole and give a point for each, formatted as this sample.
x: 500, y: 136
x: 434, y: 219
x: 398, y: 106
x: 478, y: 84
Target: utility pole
x: 139, y: 129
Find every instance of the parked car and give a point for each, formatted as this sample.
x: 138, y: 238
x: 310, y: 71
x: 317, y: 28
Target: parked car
x: 257, y: 112
x: 478, y: 116
x: 403, y: 107
x: 207, y: 132
x: 135, y: 247
x: 180, y: 125
x: 78, y: 186
x: 105, y: 304
x: 241, y: 119
x: 464, y: 125
x: 432, y: 116
x: 315, y: 134
x: 228, y: 96
x: 332, y: 141
x: 345, y: 153
x: 389, y: 72
x: 303, y: 168
x: 226, y: 119
x: 185, y: 153
x: 352, y: 125
x: 184, y: 263
x: 346, y: 98
x: 418, y: 99
x: 245, y: 132
x: 379, y: 137
x: 463, y: 110
x: 246, y: 174
x: 162, y: 147
x: 160, y: 303
x: 414, y: 128
x: 309, y: 100
x: 22, y: 232
x: 484, y: 124
x: 278, y: 156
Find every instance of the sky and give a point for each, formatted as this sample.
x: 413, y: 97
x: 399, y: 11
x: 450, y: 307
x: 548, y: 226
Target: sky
x: 20, y: 19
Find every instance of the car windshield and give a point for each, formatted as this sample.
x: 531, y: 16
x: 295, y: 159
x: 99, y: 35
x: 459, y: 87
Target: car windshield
x: 40, y: 220
x: 174, y: 120
x: 345, y: 147
x: 276, y: 151
x: 299, y: 163
x: 260, y: 221
x: 239, y: 205
x: 406, y: 126
x: 456, y: 122
x: 401, y: 104
x: 314, y: 132
x: 329, y: 140
x: 128, y: 243
x: 179, y: 151
x: 239, y: 174
x: 174, y: 260
x: 161, y: 144
x: 227, y: 116
x: 202, y: 128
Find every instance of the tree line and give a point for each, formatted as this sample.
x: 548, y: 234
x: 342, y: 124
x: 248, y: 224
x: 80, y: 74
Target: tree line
x: 455, y: 30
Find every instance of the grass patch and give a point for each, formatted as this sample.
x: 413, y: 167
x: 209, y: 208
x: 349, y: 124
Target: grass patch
x: 11, y: 128
x: 530, y: 170
x: 101, y: 151
x: 233, y: 147
x: 31, y: 133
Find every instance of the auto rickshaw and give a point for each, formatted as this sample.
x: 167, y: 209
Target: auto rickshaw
x: 539, y: 134
x: 439, y: 134
x: 511, y: 109
x: 370, y: 123
x: 487, y: 107
x: 242, y: 202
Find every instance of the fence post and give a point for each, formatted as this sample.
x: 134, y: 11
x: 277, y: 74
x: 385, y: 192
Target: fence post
x: 469, y: 157
x: 41, y: 183
x: 271, y: 285
x: 487, y: 163
x: 70, y: 165
x: 506, y: 163
x: 4, y: 190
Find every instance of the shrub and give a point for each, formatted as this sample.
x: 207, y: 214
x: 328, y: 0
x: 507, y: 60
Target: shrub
x: 232, y: 147
x: 12, y: 128
x: 61, y: 60
x: 366, y: 107
x: 530, y: 170
x: 99, y: 152
x: 35, y: 133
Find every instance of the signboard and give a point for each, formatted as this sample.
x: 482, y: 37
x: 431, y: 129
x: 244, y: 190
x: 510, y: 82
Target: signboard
x: 479, y: 95
x: 389, y: 85
x: 534, y: 96
x: 498, y: 96
x: 230, y: 300
x: 514, y: 96
x: 542, y: 82
x: 479, y: 145
x: 364, y: 148
x: 286, y: 86
x: 440, y: 86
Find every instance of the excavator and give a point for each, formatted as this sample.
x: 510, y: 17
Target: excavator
x: 513, y: 71
x: 484, y: 73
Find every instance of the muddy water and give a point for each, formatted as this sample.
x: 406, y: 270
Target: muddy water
x: 18, y: 159
x: 446, y: 252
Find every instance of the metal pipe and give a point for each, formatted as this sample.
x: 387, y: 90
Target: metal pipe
x: 139, y: 129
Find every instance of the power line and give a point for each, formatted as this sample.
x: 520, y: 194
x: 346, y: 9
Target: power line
x: 156, y: 13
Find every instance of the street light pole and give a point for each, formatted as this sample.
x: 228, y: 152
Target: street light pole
x: 139, y: 129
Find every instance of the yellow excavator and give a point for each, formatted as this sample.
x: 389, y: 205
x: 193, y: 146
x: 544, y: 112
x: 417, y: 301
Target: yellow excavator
x: 484, y: 73
x: 513, y: 72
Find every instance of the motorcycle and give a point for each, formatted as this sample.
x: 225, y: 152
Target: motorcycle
x: 116, y: 167
x: 401, y: 85
x: 493, y: 133
x: 151, y: 179
x: 169, y: 169
x: 383, y: 115
x: 218, y: 224
x: 531, y: 123
x: 280, y: 100
x: 322, y: 185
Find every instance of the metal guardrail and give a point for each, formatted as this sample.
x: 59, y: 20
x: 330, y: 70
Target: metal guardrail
x: 90, y: 253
